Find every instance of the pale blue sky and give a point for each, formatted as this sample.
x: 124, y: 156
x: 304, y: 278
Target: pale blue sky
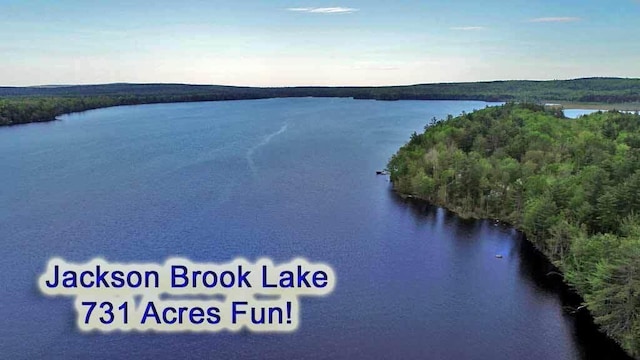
x: 315, y: 42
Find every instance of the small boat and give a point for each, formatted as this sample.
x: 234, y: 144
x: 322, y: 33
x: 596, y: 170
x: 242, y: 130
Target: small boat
x: 499, y: 256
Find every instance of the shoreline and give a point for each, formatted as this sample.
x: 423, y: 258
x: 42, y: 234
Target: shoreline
x: 56, y: 118
x: 595, y: 106
x: 567, y: 286
x: 562, y: 104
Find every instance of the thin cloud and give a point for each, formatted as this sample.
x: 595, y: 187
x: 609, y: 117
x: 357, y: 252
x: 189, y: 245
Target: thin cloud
x: 554, y: 19
x: 324, y: 10
x: 468, y: 28
x: 378, y: 68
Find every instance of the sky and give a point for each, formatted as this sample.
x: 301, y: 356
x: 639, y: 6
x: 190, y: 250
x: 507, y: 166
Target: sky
x: 315, y: 42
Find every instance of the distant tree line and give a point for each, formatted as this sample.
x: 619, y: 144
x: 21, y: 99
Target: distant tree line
x: 20, y: 110
x: 571, y: 185
x: 34, y: 104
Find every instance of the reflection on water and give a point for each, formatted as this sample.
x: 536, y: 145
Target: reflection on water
x: 534, y: 268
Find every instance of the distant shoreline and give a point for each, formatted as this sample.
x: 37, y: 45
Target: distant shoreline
x: 20, y: 105
x: 597, y: 106
x: 633, y: 107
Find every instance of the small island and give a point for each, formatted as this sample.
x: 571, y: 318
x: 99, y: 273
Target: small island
x: 571, y: 185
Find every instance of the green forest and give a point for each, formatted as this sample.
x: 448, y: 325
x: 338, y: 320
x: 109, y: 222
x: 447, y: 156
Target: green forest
x: 19, y: 105
x: 571, y: 185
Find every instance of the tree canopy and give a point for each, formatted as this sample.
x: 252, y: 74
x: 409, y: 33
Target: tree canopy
x: 571, y: 185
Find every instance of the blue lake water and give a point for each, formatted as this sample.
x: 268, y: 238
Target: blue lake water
x: 280, y: 178
x: 576, y: 113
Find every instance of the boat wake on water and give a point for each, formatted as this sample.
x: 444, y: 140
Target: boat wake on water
x: 264, y: 142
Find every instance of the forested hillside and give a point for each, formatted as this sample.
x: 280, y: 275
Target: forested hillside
x: 33, y: 104
x: 572, y: 186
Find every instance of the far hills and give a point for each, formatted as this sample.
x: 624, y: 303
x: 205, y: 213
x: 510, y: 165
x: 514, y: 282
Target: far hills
x: 44, y: 103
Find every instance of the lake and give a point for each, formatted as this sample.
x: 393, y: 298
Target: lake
x: 280, y: 178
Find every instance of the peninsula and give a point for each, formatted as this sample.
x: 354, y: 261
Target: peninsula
x: 571, y: 185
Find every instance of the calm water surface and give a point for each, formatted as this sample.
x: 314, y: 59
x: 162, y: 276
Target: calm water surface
x: 280, y: 178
